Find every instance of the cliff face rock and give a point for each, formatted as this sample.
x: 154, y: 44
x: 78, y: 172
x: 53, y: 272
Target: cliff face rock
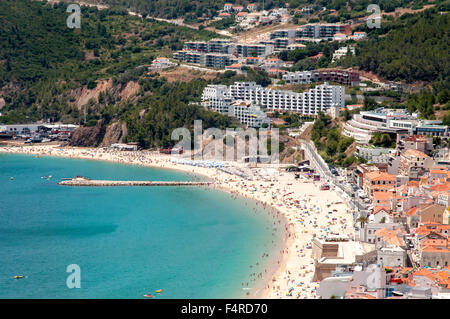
x: 88, y: 136
x: 114, y: 134
x: 83, y: 94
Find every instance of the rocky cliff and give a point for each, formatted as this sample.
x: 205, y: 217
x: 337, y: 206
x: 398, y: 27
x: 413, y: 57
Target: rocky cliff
x: 114, y: 134
x: 99, y: 135
x: 88, y: 136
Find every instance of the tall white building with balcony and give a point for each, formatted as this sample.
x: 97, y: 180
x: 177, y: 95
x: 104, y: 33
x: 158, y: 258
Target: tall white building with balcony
x: 317, y: 99
x: 248, y: 114
x: 244, y: 99
x: 216, y: 98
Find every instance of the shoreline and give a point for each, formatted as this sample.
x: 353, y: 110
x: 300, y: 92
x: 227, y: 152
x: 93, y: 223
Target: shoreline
x: 290, y: 266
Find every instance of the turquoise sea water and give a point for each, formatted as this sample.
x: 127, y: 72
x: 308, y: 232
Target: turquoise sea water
x: 128, y: 241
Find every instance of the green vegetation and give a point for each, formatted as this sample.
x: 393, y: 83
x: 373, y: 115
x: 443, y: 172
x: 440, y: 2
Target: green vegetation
x: 414, y: 49
x: 166, y: 109
x: 302, y: 57
x: 229, y: 77
x: 446, y: 119
x: 330, y: 143
x: 382, y: 140
x: 223, y: 23
x: 198, y: 9
x: 422, y: 102
x: 42, y: 61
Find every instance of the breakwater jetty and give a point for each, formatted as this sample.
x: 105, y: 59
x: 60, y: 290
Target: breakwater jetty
x: 83, y: 181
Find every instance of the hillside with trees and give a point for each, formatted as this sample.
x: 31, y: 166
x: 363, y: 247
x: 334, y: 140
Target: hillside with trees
x: 329, y: 141
x: 415, y: 49
x: 192, y: 10
x: 45, y: 66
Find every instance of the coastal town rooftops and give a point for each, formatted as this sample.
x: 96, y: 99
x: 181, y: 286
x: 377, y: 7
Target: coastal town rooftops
x: 412, y: 211
x: 392, y: 237
x: 428, y: 227
x: 433, y: 209
x: 414, y: 153
x: 440, y: 187
x: 384, y: 196
x: 381, y: 209
x: 380, y: 176
x: 438, y: 171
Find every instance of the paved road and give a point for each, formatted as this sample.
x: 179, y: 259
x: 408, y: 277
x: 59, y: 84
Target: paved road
x: 356, y: 204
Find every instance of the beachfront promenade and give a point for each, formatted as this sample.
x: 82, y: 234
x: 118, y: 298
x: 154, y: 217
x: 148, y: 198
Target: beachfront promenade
x: 99, y: 183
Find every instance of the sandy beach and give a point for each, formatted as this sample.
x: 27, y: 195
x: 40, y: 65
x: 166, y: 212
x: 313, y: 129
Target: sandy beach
x: 296, y: 205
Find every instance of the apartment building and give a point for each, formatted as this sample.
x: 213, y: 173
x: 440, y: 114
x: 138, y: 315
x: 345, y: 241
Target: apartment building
x: 227, y: 47
x: 214, y: 45
x: 378, y: 182
x: 374, y: 154
x: 252, y: 49
x: 300, y: 77
x: 415, y: 142
x: 248, y: 114
x: 291, y: 33
x: 217, y: 98
x: 211, y: 60
x: 313, y: 31
x: 282, y: 43
x: 316, y: 100
x: 341, y: 52
x: 348, y: 78
x: 329, y: 30
x: 414, y: 163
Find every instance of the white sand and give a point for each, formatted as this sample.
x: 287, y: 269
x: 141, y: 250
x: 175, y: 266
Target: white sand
x: 300, y: 202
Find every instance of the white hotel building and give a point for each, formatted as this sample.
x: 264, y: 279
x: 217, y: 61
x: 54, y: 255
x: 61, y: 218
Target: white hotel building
x: 248, y: 113
x: 316, y: 100
x: 363, y: 125
x: 218, y: 99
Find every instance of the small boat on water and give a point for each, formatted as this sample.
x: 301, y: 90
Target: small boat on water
x: 11, y: 178
x: 148, y: 296
x: 18, y: 277
x: 159, y: 291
